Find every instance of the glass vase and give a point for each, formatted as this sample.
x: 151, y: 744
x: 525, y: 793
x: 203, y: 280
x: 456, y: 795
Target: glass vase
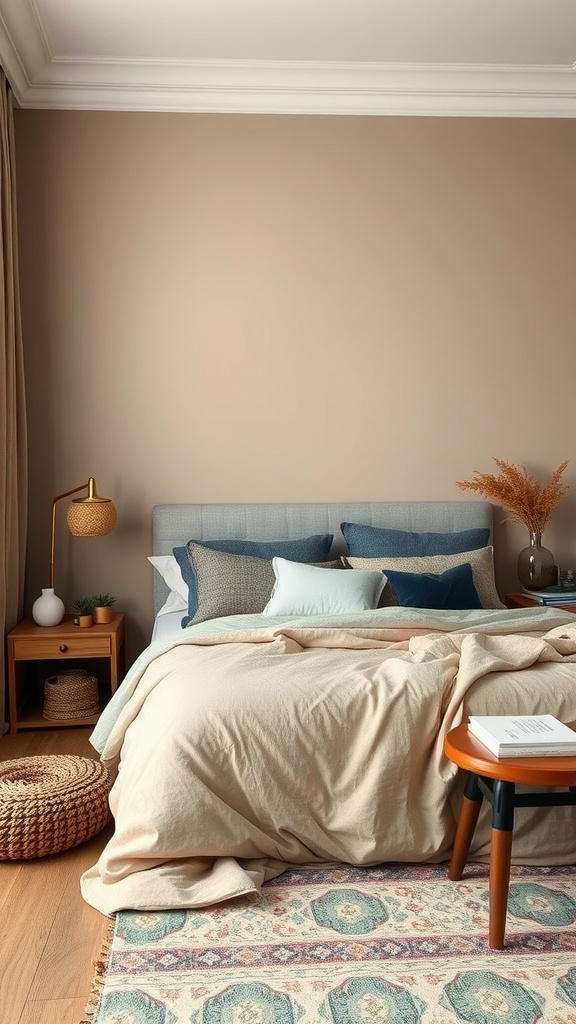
x: 536, y: 564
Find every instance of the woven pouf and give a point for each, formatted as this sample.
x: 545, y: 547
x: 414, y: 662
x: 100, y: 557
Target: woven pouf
x: 50, y: 803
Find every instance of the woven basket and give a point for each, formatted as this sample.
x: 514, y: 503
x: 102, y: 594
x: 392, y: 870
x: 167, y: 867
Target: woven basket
x: 50, y: 803
x: 70, y: 694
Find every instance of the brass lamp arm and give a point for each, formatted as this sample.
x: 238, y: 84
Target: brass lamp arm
x: 91, y: 485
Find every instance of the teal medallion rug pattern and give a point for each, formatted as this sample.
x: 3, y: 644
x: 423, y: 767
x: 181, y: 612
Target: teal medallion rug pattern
x: 395, y: 944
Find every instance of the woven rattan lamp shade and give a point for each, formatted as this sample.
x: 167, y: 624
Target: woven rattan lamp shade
x: 91, y: 517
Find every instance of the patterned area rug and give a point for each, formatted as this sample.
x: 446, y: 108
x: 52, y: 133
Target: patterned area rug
x: 398, y: 944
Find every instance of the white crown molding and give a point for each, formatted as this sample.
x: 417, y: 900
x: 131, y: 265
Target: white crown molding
x: 42, y: 81
x: 296, y: 88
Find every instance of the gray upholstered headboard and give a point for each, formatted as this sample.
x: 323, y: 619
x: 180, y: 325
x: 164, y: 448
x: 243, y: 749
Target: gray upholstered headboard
x: 174, y: 525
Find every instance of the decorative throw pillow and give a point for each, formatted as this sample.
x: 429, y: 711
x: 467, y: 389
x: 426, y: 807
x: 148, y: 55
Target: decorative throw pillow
x: 372, y: 541
x: 228, y: 584
x: 481, y: 561
x: 305, y: 549
x: 311, y: 590
x: 453, y: 588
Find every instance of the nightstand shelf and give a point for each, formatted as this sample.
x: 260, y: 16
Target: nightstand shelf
x: 36, y: 652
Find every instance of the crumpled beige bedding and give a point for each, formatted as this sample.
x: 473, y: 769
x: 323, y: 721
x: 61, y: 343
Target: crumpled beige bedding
x: 242, y: 754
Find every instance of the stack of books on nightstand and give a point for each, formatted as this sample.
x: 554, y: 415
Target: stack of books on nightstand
x: 523, y: 735
x: 552, y: 595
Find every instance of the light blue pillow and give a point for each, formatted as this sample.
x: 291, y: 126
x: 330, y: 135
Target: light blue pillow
x: 310, y: 590
x: 373, y: 541
x: 305, y: 549
x: 452, y: 589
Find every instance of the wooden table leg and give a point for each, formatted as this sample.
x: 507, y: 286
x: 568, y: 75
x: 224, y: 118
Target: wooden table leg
x: 467, y: 818
x: 500, y: 854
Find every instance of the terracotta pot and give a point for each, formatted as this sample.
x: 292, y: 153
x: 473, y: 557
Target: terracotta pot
x: 83, y: 620
x: 104, y: 614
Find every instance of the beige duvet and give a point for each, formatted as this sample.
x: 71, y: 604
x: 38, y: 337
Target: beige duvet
x: 245, y: 747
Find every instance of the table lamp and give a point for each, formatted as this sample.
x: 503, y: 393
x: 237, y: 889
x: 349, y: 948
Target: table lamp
x: 89, y: 516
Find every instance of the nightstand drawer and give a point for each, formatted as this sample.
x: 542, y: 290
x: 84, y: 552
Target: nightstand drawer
x: 26, y: 649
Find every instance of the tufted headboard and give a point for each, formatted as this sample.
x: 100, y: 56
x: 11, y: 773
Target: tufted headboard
x: 174, y: 525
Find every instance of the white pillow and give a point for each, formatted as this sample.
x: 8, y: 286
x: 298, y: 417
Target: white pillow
x: 169, y: 570
x: 309, y: 590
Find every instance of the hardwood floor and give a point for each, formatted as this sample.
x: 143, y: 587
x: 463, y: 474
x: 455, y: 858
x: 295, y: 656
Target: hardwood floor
x: 49, y: 936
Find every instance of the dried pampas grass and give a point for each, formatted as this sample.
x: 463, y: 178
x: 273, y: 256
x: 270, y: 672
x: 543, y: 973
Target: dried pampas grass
x: 528, y: 501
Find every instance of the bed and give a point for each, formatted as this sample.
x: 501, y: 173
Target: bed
x: 306, y: 664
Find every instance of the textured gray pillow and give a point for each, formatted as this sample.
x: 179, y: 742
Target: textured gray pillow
x: 229, y: 584
x: 232, y: 584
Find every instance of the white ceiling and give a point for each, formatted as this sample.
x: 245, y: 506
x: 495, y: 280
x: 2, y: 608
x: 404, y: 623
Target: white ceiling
x: 445, y: 57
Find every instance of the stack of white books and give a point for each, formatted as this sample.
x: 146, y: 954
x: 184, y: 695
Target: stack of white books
x: 523, y: 735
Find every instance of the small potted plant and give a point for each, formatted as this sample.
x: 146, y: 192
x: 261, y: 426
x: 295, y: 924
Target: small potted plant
x: 83, y: 611
x: 102, y: 607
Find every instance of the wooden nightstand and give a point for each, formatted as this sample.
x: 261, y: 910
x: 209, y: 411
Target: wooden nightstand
x: 524, y: 601
x: 37, y: 652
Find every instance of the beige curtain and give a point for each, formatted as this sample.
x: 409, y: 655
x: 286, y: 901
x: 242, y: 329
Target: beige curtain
x: 13, y: 446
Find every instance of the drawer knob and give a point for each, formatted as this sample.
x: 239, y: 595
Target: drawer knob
x: 63, y: 648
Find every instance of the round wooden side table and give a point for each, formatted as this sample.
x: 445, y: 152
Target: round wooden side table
x: 495, y: 778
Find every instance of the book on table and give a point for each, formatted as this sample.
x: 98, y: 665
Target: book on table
x: 523, y: 735
x: 552, y: 595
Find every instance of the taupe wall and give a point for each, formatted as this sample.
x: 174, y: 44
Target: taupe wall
x: 241, y: 308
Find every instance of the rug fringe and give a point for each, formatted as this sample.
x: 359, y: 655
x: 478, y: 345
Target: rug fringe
x: 99, y: 966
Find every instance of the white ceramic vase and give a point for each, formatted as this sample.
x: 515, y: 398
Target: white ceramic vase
x: 48, y: 609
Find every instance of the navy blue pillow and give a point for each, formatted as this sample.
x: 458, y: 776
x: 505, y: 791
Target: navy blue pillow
x: 305, y: 549
x: 451, y: 589
x: 374, y: 541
